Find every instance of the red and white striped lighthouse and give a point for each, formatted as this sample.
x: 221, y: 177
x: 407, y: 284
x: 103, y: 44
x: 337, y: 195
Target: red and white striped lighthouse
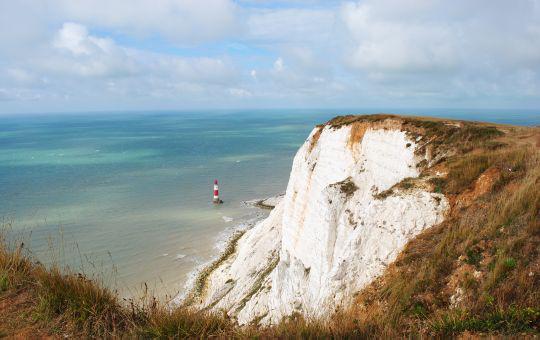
x: 216, y: 193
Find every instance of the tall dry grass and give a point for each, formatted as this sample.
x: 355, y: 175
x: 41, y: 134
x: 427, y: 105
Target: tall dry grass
x: 499, y: 235
x: 63, y: 302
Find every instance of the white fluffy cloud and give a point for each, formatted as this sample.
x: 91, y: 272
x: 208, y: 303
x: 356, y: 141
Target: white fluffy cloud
x: 391, y: 44
x: 457, y: 51
x: 412, y: 36
x: 290, y: 25
x: 182, y: 21
x: 177, y: 53
x: 80, y: 54
x: 80, y: 64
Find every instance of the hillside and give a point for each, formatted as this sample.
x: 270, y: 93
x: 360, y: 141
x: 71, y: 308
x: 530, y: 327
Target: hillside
x: 390, y: 226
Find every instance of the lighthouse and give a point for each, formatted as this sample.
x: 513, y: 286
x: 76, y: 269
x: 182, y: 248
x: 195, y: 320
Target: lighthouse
x: 216, y: 199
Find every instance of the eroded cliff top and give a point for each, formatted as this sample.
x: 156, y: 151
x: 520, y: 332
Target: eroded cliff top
x: 438, y: 131
x: 479, y: 270
x: 453, y: 137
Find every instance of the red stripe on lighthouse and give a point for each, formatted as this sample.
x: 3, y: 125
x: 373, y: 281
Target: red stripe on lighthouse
x: 216, y: 190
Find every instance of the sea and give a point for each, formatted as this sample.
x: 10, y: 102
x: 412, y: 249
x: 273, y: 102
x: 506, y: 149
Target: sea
x: 126, y: 197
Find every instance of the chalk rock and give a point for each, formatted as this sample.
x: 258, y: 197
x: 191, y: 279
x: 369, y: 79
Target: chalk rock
x: 329, y: 236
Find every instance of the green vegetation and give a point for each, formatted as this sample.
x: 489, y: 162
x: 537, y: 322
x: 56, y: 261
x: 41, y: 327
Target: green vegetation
x: 473, y: 257
x: 260, y: 204
x: 346, y: 186
x: 460, y: 136
x: 405, y: 184
x: 511, y: 320
x: 498, y: 234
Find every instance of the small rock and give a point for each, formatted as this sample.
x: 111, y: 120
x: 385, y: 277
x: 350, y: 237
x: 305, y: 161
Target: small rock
x: 457, y: 297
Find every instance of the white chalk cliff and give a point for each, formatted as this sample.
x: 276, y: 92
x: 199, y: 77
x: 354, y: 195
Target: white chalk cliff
x: 331, y: 235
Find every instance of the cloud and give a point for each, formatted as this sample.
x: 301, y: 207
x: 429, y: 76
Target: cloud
x: 148, y: 54
x: 290, y: 25
x: 86, y: 66
x: 20, y: 76
x: 386, y: 42
x: 427, y: 35
x: 78, y: 53
x: 181, y: 21
x: 89, y: 56
x: 74, y: 38
x: 459, y: 49
x: 83, y: 54
x: 278, y: 64
x: 242, y: 93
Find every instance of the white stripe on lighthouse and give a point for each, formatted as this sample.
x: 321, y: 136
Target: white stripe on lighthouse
x: 216, y: 191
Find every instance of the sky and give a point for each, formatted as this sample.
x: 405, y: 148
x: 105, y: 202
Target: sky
x: 99, y: 55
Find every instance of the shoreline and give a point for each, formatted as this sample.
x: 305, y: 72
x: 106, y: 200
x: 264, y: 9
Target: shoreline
x: 226, y: 244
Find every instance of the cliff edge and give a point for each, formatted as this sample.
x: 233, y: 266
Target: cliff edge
x: 360, y: 188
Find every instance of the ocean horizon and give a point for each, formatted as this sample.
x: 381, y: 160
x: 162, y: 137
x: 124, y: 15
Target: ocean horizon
x: 129, y: 193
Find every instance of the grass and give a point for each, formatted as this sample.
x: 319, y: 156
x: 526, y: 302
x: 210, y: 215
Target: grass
x: 512, y: 320
x: 260, y: 204
x: 89, y: 307
x: 403, y: 185
x: 474, y: 256
x: 502, y: 226
x: 440, y: 135
x: 346, y: 186
x: 182, y: 323
x: 497, y: 235
x: 61, y: 302
x: 464, y: 169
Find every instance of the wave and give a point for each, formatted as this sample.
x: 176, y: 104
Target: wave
x: 227, y: 219
x: 222, y: 240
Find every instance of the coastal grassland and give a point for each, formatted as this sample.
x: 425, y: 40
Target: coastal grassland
x: 478, y: 271
x: 39, y: 301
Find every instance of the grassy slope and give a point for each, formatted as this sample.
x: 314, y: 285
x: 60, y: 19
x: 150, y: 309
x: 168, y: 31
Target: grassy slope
x: 487, y: 250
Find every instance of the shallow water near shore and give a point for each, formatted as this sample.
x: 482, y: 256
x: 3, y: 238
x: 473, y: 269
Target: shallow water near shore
x: 133, y: 190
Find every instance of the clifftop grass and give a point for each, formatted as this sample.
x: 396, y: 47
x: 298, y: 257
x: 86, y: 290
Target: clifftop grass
x: 36, y: 301
x: 461, y: 135
x: 478, y: 271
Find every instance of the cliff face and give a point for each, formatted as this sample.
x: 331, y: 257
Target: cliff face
x: 336, y: 229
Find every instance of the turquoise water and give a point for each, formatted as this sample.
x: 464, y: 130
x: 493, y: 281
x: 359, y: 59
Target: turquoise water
x: 133, y: 190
